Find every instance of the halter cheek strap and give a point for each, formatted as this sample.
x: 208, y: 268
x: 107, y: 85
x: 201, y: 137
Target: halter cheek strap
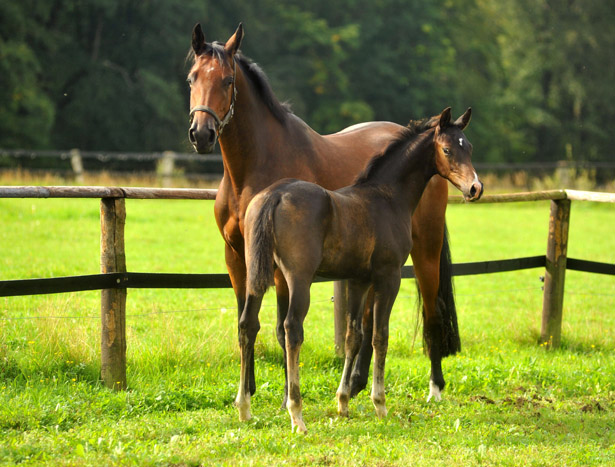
x: 220, y: 124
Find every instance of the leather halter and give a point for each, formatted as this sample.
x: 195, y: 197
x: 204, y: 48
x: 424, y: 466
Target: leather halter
x: 220, y: 124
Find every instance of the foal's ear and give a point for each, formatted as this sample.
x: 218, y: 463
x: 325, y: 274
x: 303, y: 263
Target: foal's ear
x: 198, y: 39
x: 232, y: 45
x: 463, y: 121
x: 445, y: 118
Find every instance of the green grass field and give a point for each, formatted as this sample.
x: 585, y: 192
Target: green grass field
x: 508, y: 401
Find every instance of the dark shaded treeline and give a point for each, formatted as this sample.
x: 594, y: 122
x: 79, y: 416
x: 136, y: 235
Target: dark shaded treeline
x: 110, y: 75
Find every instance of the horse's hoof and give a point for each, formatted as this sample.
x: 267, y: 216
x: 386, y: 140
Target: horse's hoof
x: 299, y: 426
x: 434, y: 392
x: 356, y: 386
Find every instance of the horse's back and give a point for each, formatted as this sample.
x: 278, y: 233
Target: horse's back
x: 346, y: 153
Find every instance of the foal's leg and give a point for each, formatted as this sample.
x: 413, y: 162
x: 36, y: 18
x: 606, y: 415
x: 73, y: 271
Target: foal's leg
x: 385, y: 292
x: 293, y: 325
x: 357, y: 293
x: 428, y: 235
x: 248, y: 329
x: 281, y: 290
x: 360, y: 370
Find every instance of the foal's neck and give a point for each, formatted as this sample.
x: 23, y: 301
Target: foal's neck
x: 406, y: 179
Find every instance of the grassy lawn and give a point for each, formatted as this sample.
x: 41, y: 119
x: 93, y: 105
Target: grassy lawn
x: 507, y: 401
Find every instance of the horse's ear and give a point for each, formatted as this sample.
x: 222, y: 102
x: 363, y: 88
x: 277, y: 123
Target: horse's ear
x: 463, y: 121
x: 445, y: 118
x: 198, y: 39
x: 232, y: 45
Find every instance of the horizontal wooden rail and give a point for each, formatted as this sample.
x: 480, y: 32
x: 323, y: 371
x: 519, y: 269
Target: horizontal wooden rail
x: 106, y: 192
x: 210, y: 194
x: 553, y: 195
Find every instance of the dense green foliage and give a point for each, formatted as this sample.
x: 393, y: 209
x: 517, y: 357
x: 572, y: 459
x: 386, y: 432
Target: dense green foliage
x: 109, y: 74
x: 508, y: 401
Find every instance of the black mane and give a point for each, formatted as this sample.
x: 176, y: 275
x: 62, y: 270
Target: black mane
x: 254, y: 75
x: 403, y: 143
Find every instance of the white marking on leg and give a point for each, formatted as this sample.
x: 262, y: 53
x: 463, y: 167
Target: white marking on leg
x: 434, y: 392
x: 378, y: 397
x: 242, y: 402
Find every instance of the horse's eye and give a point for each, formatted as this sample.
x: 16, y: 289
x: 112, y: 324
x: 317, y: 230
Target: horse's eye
x: 228, y: 81
x: 447, y: 151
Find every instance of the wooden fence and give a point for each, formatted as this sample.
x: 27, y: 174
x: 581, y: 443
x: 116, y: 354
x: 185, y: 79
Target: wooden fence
x: 114, y: 279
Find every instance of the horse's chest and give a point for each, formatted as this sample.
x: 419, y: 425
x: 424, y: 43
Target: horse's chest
x: 230, y: 223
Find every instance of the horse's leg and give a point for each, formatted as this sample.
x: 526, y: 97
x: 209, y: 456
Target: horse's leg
x: 248, y: 329
x: 299, y: 304
x: 428, y: 237
x: 385, y: 291
x: 357, y: 293
x: 281, y: 289
x: 236, y: 267
x: 360, y: 371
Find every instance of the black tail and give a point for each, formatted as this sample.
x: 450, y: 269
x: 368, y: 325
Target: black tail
x: 259, y: 251
x: 451, y: 343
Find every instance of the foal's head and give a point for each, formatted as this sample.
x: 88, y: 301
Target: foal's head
x: 453, y: 154
x: 212, y: 88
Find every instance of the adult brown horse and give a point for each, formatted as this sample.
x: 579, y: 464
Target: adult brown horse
x: 262, y: 141
x: 361, y: 233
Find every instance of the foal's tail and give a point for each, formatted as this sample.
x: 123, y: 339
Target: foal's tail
x: 445, y: 307
x: 259, y: 247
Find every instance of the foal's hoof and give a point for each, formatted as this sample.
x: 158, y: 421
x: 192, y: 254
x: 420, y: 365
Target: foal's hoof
x: 434, y: 392
x: 244, y: 410
x: 342, y: 405
x: 381, y: 411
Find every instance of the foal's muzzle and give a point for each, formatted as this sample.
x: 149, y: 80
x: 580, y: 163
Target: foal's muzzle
x: 475, y: 191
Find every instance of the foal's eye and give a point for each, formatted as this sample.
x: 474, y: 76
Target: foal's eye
x: 447, y: 151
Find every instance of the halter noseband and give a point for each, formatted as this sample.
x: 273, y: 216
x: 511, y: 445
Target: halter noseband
x: 220, y: 124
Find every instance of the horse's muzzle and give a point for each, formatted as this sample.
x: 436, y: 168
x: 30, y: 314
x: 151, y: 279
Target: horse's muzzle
x: 203, y: 139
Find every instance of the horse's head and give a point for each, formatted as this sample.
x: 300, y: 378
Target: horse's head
x: 212, y: 88
x: 453, y: 154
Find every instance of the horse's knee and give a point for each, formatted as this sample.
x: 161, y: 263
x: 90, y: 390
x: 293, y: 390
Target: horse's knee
x: 248, y: 329
x: 293, y: 333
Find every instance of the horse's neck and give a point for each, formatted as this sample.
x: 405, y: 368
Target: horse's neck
x: 248, y: 139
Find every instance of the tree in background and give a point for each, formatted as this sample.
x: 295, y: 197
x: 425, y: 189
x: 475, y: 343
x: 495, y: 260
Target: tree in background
x: 558, y: 69
x: 26, y: 111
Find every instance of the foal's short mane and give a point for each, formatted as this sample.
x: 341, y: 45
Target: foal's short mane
x: 403, y: 143
x: 254, y: 74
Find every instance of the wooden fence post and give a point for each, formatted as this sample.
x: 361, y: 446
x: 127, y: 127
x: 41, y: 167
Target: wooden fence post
x: 555, y: 273
x: 340, y: 308
x: 76, y: 163
x: 166, y: 166
x: 113, y: 301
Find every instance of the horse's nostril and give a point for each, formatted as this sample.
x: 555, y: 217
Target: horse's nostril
x: 473, y: 191
x: 191, y: 136
x: 211, y: 137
